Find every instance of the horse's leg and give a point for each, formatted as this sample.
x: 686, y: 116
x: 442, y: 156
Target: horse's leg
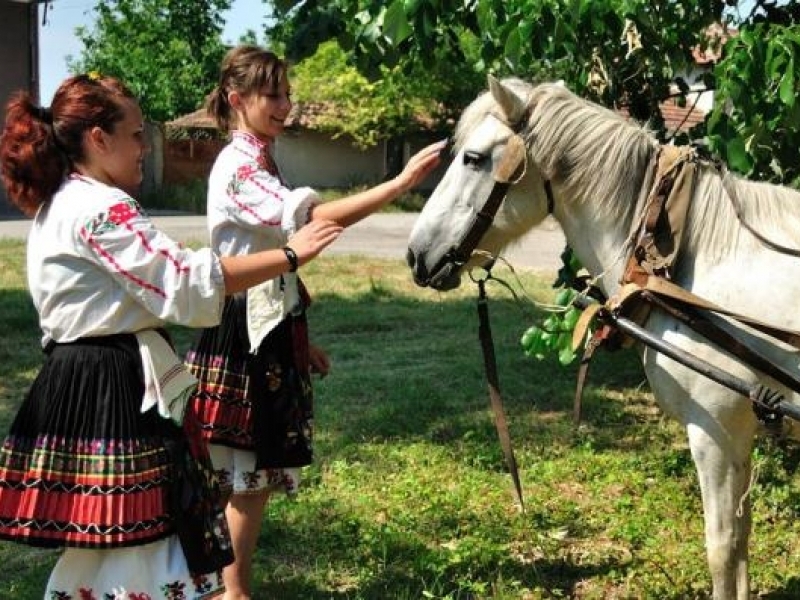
x: 723, y: 466
x: 721, y: 427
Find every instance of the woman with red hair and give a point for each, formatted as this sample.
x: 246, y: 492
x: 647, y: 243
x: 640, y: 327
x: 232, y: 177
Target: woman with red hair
x: 98, y: 459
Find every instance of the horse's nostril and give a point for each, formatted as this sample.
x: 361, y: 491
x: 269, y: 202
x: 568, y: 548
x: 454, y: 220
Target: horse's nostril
x: 410, y: 259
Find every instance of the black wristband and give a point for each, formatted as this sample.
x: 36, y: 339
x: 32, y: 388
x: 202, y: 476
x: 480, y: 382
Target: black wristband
x: 291, y: 256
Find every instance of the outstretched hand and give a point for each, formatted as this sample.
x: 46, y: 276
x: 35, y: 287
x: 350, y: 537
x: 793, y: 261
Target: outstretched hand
x: 420, y: 165
x: 313, y: 238
x: 319, y: 361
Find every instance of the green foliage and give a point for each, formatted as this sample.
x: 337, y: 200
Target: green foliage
x: 576, y: 41
x: 443, y: 84
x: 167, y: 51
x: 350, y: 104
x: 554, y: 334
x: 755, y: 126
x: 631, y: 54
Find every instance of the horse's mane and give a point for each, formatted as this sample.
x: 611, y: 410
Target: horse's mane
x: 772, y: 210
x: 581, y: 145
x: 598, y: 156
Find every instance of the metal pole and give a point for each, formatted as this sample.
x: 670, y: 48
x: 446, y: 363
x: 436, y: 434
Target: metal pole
x: 755, y: 392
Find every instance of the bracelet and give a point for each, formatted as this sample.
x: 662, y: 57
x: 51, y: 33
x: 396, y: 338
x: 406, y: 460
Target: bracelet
x: 291, y: 256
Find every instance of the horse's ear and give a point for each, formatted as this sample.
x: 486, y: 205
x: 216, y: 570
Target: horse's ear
x: 509, y: 102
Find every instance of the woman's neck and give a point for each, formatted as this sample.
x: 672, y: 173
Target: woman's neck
x: 92, y: 172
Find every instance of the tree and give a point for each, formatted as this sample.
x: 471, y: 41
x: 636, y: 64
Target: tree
x: 167, y: 51
x: 442, y: 84
x: 621, y: 53
x: 755, y: 125
x: 347, y: 103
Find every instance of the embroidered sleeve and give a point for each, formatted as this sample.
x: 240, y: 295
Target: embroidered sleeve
x: 257, y: 199
x: 174, y: 283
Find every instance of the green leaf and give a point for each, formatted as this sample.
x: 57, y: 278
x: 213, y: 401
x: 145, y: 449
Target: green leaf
x: 411, y: 6
x: 738, y: 157
x: 513, y: 47
x: 395, y: 23
x: 787, y: 91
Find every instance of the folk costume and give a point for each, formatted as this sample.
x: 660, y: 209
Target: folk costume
x: 254, y: 399
x: 97, y: 460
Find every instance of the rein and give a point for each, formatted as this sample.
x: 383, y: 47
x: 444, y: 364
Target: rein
x: 490, y: 367
x: 510, y: 170
x: 730, y: 188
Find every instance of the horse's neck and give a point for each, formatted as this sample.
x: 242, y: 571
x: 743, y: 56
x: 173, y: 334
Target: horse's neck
x: 599, y: 229
x: 598, y: 241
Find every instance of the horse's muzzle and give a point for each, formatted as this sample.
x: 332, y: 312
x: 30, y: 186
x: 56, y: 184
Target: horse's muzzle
x: 445, y: 276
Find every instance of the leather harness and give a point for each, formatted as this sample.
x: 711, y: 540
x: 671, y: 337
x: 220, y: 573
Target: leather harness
x: 646, y: 283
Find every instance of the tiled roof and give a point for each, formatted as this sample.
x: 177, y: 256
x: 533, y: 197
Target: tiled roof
x: 681, y: 117
x: 676, y: 117
x: 198, y: 119
x: 304, y: 115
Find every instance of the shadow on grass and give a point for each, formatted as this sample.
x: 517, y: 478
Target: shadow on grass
x: 791, y: 591
x: 414, y: 369
x: 411, y: 371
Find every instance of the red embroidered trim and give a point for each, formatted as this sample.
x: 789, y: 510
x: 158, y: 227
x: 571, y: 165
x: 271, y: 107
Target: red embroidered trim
x: 162, y: 251
x: 112, y: 261
x: 246, y: 172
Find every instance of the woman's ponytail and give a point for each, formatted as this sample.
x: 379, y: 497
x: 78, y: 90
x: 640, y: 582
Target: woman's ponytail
x: 33, y: 165
x: 219, y: 108
x: 40, y: 145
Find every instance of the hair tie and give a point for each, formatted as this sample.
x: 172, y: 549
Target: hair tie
x: 44, y: 114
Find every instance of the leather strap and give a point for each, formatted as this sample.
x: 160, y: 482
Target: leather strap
x: 667, y: 289
x: 730, y: 188
x: 490, y: 366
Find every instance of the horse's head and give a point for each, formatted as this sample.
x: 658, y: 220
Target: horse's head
x: 488, y: 196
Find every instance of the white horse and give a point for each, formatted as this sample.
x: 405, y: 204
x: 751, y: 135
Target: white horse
x: 596, y: 163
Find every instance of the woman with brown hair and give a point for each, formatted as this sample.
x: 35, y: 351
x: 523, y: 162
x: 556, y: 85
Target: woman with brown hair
x: 255, y: 398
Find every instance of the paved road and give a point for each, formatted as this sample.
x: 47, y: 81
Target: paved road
x: 383, y: 235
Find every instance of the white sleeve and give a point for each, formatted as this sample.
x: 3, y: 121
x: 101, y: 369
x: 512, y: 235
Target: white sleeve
x: 174, y: 283
x: 255, y: 199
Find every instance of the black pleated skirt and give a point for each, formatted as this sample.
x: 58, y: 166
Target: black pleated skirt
x: 81, y: 465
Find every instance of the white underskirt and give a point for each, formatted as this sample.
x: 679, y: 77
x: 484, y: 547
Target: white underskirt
x: 157, y: 570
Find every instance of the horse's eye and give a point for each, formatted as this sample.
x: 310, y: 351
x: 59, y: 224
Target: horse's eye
x: 474, y: 159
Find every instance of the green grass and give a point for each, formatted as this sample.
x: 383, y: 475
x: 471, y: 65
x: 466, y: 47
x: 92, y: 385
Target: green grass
x: 409, y: 497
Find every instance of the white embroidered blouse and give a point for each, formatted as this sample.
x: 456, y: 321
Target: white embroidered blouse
x: 249, y: 210
x: 97, y: 266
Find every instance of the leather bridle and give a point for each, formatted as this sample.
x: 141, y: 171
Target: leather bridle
x: 511, y: 169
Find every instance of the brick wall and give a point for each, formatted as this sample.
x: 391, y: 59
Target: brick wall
x: 188, y: 160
